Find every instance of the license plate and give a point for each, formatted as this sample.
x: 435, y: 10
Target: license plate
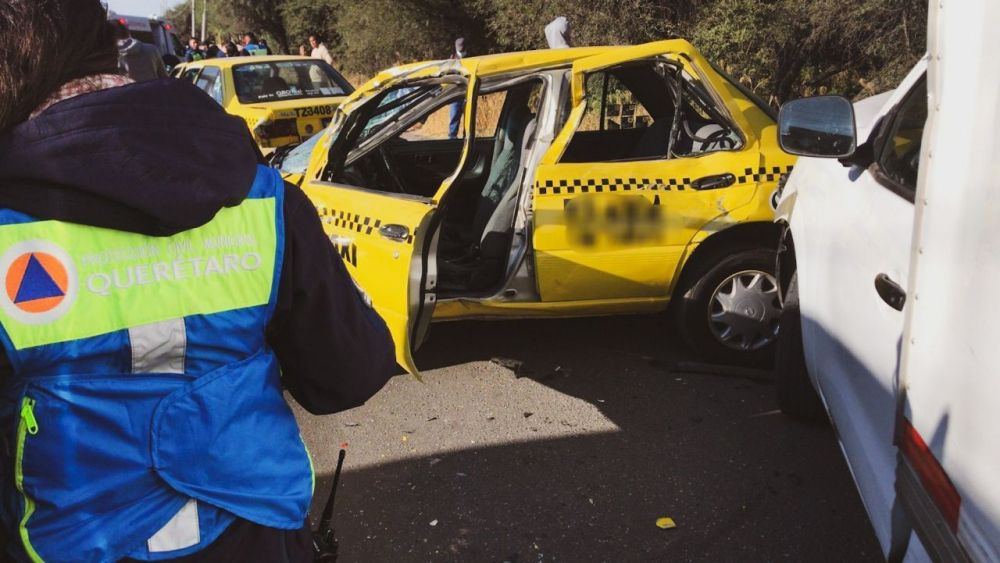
x: 314, y: 111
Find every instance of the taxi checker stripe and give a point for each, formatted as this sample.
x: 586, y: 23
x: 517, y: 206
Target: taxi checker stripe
x: 563, y: 187
x: 352, y: 221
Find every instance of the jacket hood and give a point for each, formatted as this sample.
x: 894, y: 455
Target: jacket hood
x: 156, y: 157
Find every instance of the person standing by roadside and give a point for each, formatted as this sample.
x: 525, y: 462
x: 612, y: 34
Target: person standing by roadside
x: 557, y: 33
x: 456, y: 109
x: 193, y: 52
x: 319, y: 50
x: 162, y: 292
x: 250, y: 45
x: 138, y: 60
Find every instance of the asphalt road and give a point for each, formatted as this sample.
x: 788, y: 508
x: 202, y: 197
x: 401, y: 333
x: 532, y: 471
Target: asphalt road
x: 533, y: 441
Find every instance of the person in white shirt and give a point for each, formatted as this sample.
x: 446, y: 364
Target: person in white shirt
x: 557, y: 33
x: 319, y: 50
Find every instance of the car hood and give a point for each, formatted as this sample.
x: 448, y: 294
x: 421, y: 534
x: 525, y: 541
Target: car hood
x: 156, y: 157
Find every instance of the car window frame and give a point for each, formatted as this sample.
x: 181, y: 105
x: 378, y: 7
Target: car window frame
x: 691, y: 84
x: 219, y: 75
x: 349, y: 129
x: 194, y: 77
x: 885, y: 127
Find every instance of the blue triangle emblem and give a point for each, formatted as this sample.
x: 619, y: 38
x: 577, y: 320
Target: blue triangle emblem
x: 36, y: 283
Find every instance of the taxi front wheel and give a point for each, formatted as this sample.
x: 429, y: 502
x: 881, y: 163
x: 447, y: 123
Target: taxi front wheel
x: 729, y: 309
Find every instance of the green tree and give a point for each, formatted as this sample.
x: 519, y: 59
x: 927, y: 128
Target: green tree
x: 780, y: 48
x: 228, y: 19
x: 788, y: 48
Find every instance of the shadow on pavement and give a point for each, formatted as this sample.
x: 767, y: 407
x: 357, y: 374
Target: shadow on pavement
x: 741, y: 482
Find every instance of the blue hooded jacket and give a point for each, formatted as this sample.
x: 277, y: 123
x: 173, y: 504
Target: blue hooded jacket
x: 160, y: 157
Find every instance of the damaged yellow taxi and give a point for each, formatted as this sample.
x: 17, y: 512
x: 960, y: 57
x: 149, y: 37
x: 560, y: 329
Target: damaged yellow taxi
x: 584, y: 181
x: 283, y: 99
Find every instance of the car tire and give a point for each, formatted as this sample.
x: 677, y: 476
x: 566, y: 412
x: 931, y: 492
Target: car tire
x: 697, y: 302
x: 794, y: 391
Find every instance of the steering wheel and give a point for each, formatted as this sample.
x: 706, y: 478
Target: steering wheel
x: 720, y: 137
x: 390, y: 169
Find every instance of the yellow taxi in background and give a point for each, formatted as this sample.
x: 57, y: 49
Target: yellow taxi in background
x: 584, y: 181
x: 283, y: 99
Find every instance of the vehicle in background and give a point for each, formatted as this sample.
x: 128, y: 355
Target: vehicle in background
x: 153, y: 31
x: 587, y: 181
x: 887, y: 265
x: 283, y: 99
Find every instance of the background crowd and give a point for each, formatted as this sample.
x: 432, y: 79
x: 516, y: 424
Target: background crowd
x: 781, y: 49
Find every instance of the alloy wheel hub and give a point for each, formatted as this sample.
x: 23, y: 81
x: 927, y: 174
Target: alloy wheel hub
x: 744, y: 310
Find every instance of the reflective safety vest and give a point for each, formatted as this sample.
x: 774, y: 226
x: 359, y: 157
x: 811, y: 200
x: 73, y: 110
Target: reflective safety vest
x: 145, y: 413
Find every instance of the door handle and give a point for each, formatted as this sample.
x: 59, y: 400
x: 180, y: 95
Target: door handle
x: 398, y: 233
x: 714, y: 182
x: 890, y: 292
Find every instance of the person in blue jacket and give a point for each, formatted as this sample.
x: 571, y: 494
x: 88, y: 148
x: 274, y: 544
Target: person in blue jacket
x: 251, y: 47
x: 159, y: 296
x: 193, y: 51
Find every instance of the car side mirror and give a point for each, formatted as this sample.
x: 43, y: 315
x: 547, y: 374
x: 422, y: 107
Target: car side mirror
x: 819, y: 126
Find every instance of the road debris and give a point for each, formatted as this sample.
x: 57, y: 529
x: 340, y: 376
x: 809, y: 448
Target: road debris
x: 665, y: 523
x: 434, y: 522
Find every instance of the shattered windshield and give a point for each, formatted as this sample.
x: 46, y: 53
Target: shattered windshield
x: 394, y: 104
x: 297, y: 159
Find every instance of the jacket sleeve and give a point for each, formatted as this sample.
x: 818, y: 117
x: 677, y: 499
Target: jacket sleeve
x: 335, y: 352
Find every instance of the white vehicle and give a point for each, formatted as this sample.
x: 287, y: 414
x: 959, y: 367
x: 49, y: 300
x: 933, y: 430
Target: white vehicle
x: 888, y: 278
x: 154, y: 31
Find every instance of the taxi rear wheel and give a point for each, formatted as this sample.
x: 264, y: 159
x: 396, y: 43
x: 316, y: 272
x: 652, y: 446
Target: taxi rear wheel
x: 728, y: 308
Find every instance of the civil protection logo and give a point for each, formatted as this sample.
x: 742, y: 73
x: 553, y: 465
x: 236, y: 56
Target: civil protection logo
x: 39, y: 282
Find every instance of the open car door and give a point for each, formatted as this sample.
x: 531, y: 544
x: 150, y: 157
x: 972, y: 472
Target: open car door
x: 385, y: 237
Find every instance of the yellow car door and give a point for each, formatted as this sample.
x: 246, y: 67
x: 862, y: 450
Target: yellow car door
x: 386, y: 239
x: 655, y: 150
x: 381, y: 241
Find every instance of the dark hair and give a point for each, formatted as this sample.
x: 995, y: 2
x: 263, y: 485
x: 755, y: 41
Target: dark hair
x: 253, y: 38
x: 45, y: 44
x: 316, y: 36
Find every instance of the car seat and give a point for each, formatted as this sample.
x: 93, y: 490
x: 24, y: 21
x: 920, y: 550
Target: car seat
x: 272, y: 85
x: 654, y: 140
x: 486, y: 241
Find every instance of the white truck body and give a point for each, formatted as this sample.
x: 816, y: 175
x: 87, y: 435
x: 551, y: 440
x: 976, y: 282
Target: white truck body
x: 950, y: 359
x: 914, y: 394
